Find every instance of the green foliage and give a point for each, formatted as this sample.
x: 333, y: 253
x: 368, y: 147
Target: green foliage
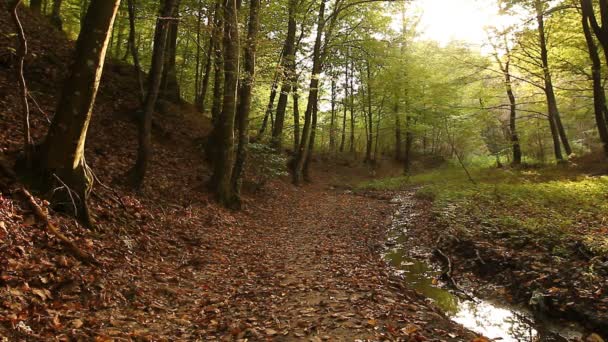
x: 553, y: 207
x: 265, y: 164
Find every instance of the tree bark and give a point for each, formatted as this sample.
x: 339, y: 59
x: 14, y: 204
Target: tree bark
x: 346, y: 92
x: 351, y: 148
x: 303, y: 149
x: 132, y: 46
x: 62, y: 152
x: 332, y: 123
x: 296, y: 117
x: 223, y: 164
x: 599, y: 96
x: 218, y: 66
x: 557, y: 129
x: 56, y: 14
x: 398, y: 152
x: 36, y: 5
x: 244, y: 106
x: 23, y: 92
x: 170, y: 90
x: 288, y: 69
x: 370, y: 121
x: 601, y: 31
x: 144, y: 151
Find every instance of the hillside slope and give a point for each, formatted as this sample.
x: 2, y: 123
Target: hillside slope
x: 297, y: 262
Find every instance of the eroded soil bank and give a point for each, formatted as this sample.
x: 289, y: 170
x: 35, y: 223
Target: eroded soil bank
x: 502, y: 266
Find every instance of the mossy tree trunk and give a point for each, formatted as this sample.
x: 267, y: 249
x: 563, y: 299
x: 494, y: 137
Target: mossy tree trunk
x: 61, y: 155
x: 221, y: 179
x: 245, y: 96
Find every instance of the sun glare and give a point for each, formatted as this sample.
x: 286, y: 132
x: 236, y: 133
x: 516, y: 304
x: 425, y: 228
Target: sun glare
x: 463, y: 20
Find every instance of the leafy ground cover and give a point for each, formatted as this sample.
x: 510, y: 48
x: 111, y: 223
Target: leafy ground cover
x: 296, y: 263
x: 541, y: 232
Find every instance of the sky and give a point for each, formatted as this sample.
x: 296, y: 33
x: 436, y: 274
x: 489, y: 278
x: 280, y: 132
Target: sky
x: 446, y: 20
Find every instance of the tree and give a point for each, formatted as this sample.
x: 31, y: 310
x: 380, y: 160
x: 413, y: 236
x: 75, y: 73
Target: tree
x: 288, y: 69
x: 144, y: 150
x: 61, y: 155
x: 170, y: 90
x: 599, y: 95
x: 56, y: 14
x: 244, y: 106
x: 36, y: 5
x: 221, y: 179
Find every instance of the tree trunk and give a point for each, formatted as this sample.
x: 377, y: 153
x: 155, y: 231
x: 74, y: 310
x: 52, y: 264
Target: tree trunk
x: 302, y: 153
x: 397, y: 133
x: 121, y: 33
x: 288, y: 68
x: 218, y: 66
x: 296, y: 117
x: 352, y: 108
x: 62, y: 152
x: 601, y: 31
x: 197, y: 72
x: 245, y: 100
x: 557, y: 129
x: 343, y: 139
x: 370, y: 121
x: 36, y: 5
x: 169, y: 85
x: 332, y: 123
x: 144, y: 151
x: 134, y: 52
x: 208, y: 63
x: 56, y: 14
x: 273, y: 95
x: 223, y: 163
x: 599, y: 96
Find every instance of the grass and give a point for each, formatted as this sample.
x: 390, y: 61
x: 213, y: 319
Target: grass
x: 555, y: 207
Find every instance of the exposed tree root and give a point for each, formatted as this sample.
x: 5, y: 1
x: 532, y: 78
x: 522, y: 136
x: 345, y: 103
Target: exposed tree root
x: 40, y: 215
x: 447, y: 276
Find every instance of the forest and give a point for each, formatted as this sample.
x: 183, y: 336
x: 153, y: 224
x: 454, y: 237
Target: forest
x: 303, y: 170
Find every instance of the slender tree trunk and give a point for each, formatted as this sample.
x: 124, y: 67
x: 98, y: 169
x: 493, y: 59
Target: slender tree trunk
x: 599, y: 96
x: 398, y: 152
x: 244, y: 106
x: 56, y: 14
x: 62, y: 152
x: 346, y: 92
x: 296, y: 117
x: 352, y: 108
x: 134, y: 51
x: 370, y: 123
x: 218, y: 64
x: 311, y: 147
x: 36, y: 5
x: 288, y: 67
x: 303, y: 149
x: 170, y: 90
x: 23, y: 92
x: 223, y: 164
x: 273, y: 95
x: 554, y: 117
x: 197, y: 72
x: 121, y: 33
x: 144, y: 151
x: 332, y: 123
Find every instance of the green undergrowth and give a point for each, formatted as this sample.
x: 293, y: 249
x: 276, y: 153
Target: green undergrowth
x: 558, y: 209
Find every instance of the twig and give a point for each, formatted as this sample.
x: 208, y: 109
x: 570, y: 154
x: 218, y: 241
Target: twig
x: 21, y: 53
x: 69, y: 193
x: 46, y: 116
x: 447, y: 275
x: 39, y: 213
x: 479, y: 257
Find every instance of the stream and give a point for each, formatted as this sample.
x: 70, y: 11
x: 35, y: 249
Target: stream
x: 493, y: 318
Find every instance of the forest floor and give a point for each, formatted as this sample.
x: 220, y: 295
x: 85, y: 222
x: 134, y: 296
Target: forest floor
x: 295, y: 264
x: 537, y: 236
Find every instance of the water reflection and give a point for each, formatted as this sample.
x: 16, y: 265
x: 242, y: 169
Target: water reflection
x: 499, y: 322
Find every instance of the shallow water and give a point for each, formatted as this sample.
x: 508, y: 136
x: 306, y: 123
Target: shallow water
x: 493, y: 319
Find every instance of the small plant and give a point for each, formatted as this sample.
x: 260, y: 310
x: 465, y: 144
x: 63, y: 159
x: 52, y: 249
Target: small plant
x: 265, y: 164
